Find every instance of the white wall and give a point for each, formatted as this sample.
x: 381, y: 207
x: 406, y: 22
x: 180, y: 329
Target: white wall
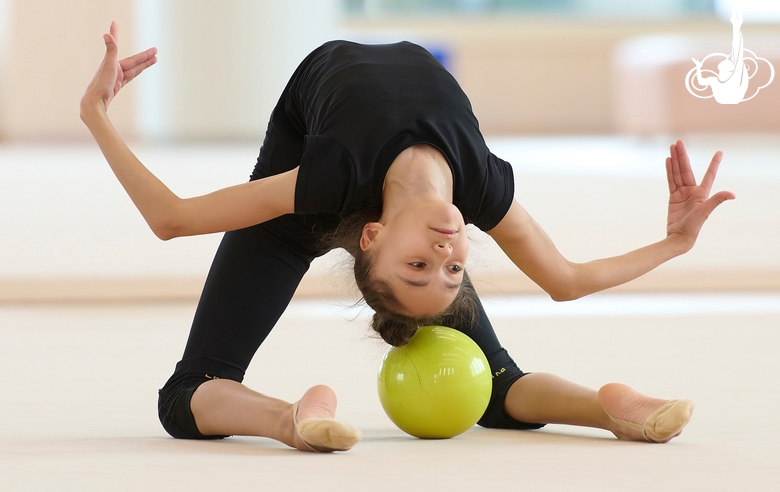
x: 53, y: 50
x: 5, y: 12
x: 223, y: 64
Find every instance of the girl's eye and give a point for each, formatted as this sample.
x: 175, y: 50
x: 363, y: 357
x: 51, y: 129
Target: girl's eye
x: 455, y: 268
x: 417, y: 264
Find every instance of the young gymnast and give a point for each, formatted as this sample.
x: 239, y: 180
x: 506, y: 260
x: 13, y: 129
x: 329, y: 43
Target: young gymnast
x: 375, y: 149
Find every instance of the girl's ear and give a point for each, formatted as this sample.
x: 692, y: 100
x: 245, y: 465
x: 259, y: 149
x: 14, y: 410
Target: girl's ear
x: 369, y: 234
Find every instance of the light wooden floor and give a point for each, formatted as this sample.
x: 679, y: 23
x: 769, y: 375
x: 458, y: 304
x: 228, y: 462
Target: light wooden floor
x: 78, y: 400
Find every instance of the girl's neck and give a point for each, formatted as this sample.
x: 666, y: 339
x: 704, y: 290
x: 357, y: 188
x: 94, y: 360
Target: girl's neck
x: 420, y: 174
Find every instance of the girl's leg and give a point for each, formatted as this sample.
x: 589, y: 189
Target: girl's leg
x: 225, y: 407
x: 530, y: 401
x: 545, y: 398
x: 253, y: 277
x: 548, y: 399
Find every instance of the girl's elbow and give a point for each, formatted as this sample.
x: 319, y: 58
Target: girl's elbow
x: 169, y: 222
x: 563, y: 296
x: 566, y: 286
x: 165, y: 229
x: 164, y: 235
x: 564, y: 292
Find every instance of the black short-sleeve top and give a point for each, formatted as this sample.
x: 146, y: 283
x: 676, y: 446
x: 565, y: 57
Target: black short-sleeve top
x: 359, y: 106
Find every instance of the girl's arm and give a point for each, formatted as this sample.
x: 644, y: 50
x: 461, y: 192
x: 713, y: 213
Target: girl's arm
x: 534, y: 253
x: 168, y: 215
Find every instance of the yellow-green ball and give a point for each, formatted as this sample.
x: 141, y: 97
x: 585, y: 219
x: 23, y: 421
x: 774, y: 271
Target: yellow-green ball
x: 436, y: 386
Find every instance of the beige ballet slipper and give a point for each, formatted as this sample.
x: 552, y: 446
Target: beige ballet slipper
x: 325, y: 435
x: 665, y: 423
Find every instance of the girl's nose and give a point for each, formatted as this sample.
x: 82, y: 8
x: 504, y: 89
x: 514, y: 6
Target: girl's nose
x: 444, y: 248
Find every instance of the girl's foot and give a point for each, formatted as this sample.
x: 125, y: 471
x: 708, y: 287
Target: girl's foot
x: 636, y: 417
x: 315, y: 426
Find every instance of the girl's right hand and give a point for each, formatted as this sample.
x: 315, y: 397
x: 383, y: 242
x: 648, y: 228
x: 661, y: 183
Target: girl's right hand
x: 113, y: 74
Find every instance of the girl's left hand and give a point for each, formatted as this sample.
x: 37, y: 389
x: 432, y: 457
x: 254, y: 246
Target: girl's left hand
x: 690, y: 204
x: 113, y: 74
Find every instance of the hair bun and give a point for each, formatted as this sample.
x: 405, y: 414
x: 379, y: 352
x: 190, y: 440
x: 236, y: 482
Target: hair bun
x: 395, y: 330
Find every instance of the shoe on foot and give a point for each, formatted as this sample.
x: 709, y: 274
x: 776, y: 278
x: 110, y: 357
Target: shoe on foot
x: 325, y: 435
x: 664, y: 424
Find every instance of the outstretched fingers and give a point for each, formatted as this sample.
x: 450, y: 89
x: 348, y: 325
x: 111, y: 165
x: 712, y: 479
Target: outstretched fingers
x: 673, y: 169
x: 670, y: 176
x: 113, y: 29
x: 131, y: 66
x: 139, y: 59
x: 681, y: 165
x: 112, y: 49
x: 113, y: 74
x: 712, y: 171
x: 708, y: 180
x: 134, y: 65
x: 112, y: 39
x: 716, y: 200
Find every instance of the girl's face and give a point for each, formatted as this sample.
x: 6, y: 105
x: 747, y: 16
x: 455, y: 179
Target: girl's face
x: 420, y: 254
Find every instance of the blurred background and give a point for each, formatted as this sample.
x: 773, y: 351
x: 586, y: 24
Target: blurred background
x: 529, y: 66
x: 582, y: 96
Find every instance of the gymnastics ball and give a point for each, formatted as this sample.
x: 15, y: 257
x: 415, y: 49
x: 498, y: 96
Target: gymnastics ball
x: 437, y: 385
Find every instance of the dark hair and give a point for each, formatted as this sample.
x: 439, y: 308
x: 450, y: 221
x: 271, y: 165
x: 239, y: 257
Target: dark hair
x: 394, y: 328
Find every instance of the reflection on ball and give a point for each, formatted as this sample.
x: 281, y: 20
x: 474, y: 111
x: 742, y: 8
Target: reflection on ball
x: 436, y: 386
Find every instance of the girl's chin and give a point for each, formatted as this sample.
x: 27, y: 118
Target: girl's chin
x: 440, y: 215
x: 450, y: 212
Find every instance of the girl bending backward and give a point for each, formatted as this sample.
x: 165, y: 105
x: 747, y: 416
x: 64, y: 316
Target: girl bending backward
x: 375, y: 149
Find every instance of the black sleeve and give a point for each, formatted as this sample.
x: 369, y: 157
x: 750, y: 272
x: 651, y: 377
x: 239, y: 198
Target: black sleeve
x: 326, y: 177
x: 497, y: 195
